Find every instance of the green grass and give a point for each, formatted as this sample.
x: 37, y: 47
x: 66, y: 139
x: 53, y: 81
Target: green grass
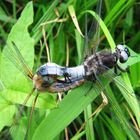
x: 119, y: 24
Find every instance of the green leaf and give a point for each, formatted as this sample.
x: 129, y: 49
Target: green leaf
x: 20, y: 35
x: 74, y: 19
x: 6, y: 113
x: 15, y: 85
x: 70, y: 107
x: 11, y: 77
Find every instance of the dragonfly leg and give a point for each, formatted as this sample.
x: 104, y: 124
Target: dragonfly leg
x: 19, y: 113
x: 66, y: 76
x: 31, y: 115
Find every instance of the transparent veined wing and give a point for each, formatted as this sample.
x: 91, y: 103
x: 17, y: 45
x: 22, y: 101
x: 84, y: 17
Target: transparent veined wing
x: 104, y: 85
x: 12, y: 52
x: 92, y: 31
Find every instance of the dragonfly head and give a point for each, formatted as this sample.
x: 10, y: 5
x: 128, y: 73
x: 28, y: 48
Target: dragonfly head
x: 123, y: 53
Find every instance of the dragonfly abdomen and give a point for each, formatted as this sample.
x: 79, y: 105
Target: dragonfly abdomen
x: 54, y: 69
x: 76, y: 72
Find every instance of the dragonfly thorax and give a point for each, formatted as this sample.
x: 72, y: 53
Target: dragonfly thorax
x: 102, y: 61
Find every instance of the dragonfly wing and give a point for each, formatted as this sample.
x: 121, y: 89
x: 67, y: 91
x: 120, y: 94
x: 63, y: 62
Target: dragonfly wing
x: 13, y: 54
x: 92, y: 34
x: 101, y: 85
x: 111, y: 76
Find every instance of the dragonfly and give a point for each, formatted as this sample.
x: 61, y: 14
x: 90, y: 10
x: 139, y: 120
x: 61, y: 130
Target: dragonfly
x: 54, y: 78
x: 93, y: 66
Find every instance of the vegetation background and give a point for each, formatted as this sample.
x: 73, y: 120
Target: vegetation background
x: 28, y: 23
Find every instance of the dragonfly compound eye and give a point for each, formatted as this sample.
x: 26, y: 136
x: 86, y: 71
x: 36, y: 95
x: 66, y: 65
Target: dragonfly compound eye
x: 123, y: 53
x: 127, y: 51
x: 123, y: 56
x: 120, y: 47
